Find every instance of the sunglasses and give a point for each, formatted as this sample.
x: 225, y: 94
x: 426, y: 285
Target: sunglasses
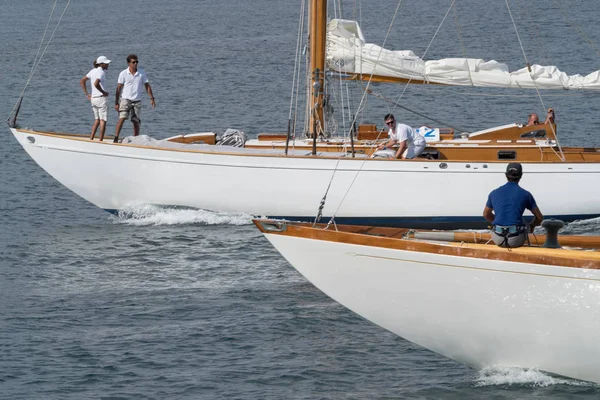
x: 390, y: 122
x: 133, y: 62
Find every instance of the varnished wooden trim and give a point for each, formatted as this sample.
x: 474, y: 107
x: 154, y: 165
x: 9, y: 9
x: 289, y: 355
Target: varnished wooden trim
x: 385, y: 79
x: 271, y: 136
x: 532, y: 255
x: 526, y: 153
x: 203, y: 138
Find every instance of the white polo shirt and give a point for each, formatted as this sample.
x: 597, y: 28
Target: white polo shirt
x: 97, y: 73
x: 133, y: 85
x: 405, y: 132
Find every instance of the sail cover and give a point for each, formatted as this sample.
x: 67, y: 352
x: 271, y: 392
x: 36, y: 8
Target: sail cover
x: 348, y: 53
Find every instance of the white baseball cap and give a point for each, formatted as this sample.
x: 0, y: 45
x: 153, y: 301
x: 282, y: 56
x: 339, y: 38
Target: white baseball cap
x: 102, y: 60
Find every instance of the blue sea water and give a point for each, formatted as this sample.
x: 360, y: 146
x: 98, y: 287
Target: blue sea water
x: 185, y: 304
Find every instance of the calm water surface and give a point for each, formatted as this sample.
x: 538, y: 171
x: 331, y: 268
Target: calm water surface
x: 191, y: 304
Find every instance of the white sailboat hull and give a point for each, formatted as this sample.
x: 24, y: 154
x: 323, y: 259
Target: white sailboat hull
x: 478, y: 312
x: 378, y: 192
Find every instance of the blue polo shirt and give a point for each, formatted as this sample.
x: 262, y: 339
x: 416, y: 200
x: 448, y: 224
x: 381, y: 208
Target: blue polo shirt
x: 508, y: 202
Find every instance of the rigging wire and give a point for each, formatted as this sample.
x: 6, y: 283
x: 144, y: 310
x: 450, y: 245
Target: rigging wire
x: 307, y: 87
x: 380, y: 96
x: 18, y: 103
x: 332, y: 220
x: 578, y: 29
x: 300, y: 27
x: 524, y: 10
x: 562, y: 156
x: 296, y: 77
x: 296, y: 58
x: 366, y: 89
x: 12, y: 119
x: 462, y: 43
x: 427, y: 48
x: 396, y: 104
x: 344, y: 100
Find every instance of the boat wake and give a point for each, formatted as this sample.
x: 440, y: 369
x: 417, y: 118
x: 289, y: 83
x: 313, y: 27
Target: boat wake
x: 500, y: 376
x: 154, y: 215
x: 583, y: 226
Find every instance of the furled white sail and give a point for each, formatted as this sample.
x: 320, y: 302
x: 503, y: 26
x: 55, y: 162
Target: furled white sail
x: 348, y: 52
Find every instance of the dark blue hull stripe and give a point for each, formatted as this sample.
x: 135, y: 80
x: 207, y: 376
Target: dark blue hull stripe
x: 469, y: 222
x: 427, y: 222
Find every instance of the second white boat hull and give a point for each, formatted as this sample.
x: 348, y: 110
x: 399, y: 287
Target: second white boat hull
x: 478, y: 312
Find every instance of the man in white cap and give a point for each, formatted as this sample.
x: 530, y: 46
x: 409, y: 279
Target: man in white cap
x: 97, y: 78
x: 128, y: 100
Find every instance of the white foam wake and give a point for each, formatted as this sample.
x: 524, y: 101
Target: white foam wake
x: 153, y: 215
x: 498, y: 376
x: 591, y: 223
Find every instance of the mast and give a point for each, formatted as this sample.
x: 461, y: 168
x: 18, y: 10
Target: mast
x: 317, y: 37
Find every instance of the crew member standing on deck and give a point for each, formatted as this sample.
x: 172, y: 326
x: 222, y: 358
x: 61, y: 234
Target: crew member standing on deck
x: 128, y: 101
x: 504, y: 210
x: 98, y: 97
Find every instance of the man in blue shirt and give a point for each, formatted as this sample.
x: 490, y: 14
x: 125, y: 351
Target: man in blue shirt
x: 504, y: 209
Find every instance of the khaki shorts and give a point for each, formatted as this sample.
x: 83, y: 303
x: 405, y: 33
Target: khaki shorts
x: 100, y: 108
x: 125, y: 107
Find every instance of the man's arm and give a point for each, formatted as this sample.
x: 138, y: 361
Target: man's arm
x: 488, y: 214
x: 118, y: 95
x: 149, y: 91
x: 389, y: 144
x: 401, y: 149
x: 402, y: 134
x: 84, y: 87
x: 537, y: 219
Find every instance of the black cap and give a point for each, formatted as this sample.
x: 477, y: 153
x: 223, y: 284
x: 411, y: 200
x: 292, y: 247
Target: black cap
x: 514, y: 170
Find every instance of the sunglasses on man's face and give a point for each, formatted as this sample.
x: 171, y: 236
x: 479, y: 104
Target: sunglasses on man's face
x: 133, y: 62
x: 390, y: 122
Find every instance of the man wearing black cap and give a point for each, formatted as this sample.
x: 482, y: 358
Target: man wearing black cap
x: 504, y: 209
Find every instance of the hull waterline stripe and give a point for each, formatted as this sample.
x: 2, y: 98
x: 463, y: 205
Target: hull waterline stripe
x: 446, y: 222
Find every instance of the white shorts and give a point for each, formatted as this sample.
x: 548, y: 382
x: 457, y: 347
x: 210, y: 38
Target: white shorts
x: 414, y: 151
x: 99, y: 107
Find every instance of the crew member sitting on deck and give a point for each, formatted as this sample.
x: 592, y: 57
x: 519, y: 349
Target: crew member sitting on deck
x: 533, y: 119
x: 504, y: 209
x: 410, y: 143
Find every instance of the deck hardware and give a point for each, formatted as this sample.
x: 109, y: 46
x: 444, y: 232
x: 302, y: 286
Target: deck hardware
x: 278, y: 226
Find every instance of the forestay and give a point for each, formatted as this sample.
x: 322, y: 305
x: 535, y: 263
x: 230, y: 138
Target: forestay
x: 349, y: 53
